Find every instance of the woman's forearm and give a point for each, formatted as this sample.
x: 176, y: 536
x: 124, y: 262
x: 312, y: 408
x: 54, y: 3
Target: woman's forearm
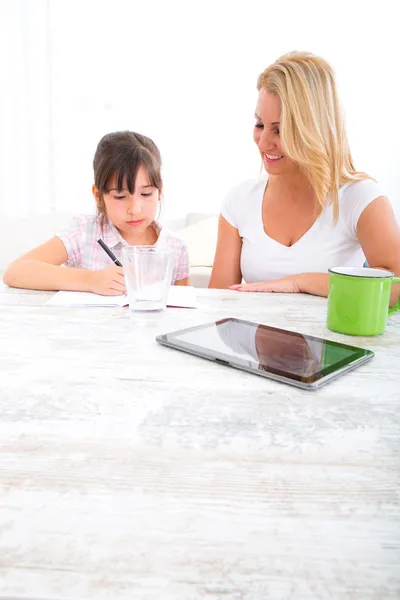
x: 37, y: 275
x: 316, y: 284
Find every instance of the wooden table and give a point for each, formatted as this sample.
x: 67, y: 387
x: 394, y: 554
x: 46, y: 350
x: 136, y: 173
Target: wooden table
x: 130, y: 470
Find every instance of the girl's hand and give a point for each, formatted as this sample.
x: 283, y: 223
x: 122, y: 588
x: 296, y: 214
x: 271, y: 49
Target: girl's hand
x: 108, y: 282
x: 284, y: 285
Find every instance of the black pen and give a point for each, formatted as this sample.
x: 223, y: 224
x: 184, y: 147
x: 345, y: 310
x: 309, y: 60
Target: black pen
x: 110, y: 254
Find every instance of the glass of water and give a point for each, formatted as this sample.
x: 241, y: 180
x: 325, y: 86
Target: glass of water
x: 148, y: 274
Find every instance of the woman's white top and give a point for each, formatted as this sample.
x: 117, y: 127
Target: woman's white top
x: 323, y: 246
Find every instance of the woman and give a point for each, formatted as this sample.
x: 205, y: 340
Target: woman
x: 311, y: 210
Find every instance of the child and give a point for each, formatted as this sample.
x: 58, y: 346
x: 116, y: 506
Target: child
x: 127, y: 189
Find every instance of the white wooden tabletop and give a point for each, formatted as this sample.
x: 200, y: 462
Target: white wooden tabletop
x: 130, y: 470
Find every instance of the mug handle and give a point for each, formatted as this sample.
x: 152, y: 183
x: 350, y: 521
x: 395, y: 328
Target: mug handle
x: 396, y: 307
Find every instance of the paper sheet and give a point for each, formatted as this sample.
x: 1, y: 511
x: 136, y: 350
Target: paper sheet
x: 178, y: 296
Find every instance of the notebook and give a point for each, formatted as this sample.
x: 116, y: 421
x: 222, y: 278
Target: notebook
x: 178, y: 296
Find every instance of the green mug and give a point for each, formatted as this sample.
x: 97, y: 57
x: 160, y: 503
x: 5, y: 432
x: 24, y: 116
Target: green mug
x: 358, y: 300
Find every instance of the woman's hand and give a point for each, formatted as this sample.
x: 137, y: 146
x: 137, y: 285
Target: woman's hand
x: 108, y: 282
x: 316, y: 284
x: 284, y: 285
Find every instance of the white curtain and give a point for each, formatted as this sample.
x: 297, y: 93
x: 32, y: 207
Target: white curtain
x: 185, y: 74
x: 26, y: 174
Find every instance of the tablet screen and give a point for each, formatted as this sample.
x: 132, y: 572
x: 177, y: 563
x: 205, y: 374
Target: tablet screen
x: 261, y: 347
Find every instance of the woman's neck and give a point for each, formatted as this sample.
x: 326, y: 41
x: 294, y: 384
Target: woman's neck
x: 294, y: 187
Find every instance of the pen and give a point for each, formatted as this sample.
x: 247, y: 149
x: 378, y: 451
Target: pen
x: 110, y: 254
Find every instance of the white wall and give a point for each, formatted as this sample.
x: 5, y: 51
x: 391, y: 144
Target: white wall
x: 185, y: 74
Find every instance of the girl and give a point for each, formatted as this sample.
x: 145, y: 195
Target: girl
x: 127, y: 189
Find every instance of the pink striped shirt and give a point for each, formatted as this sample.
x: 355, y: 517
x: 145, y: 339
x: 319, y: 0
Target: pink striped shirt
x: 80, y: 241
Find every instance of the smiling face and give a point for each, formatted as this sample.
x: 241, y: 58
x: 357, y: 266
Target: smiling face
x: 130, y: 212
x: 267, y: 135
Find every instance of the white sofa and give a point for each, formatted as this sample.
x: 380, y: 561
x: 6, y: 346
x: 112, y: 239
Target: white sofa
x: 200, y: 234
x: 199, y: 230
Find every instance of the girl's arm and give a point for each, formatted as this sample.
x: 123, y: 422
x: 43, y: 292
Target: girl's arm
x: 40, y: 269
x: 182, y: 281
x: 226, y: 268
x: 182, y: 266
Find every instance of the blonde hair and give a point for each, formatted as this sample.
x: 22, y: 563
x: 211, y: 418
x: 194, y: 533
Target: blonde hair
x: 312, y: 126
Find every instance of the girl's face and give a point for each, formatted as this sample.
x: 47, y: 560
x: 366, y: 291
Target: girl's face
x: 130, y: 213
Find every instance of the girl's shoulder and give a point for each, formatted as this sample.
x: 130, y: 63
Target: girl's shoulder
x: 168, y: 237
x: 81, y: 228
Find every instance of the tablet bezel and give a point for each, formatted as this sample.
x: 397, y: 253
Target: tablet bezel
x: 314, y: 381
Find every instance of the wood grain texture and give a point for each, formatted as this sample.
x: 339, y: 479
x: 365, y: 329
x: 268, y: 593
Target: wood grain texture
x: 130, y: 470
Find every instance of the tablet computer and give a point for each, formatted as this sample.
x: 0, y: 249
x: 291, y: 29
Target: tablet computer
x: 301, y: 360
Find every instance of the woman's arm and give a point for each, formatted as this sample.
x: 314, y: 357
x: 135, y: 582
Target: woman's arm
x: 379, y: 236
x: 226, y: 268
x: 40, y: 269
x: 307, y: 283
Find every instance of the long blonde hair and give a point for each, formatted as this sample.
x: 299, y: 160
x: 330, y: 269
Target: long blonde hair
x: 312, y: 127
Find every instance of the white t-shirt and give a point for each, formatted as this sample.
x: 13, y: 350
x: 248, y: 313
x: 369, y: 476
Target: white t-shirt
x: 323, y: 246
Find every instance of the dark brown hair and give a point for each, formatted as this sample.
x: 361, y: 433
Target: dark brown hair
x: 122, y: 153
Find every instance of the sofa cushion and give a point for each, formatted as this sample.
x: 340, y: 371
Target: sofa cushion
x: 200, y: 276
x: 195, y: 217
x: 201, y: 239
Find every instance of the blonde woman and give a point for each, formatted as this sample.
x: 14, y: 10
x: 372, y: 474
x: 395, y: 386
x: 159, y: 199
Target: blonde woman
x: 311, y: 210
